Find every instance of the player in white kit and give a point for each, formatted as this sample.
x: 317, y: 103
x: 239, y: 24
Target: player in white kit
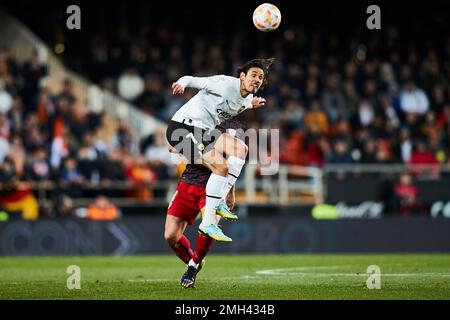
x: 192, y: 133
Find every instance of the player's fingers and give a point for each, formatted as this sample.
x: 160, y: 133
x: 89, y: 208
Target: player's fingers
x: 178, y: 89
x: 261, y: 101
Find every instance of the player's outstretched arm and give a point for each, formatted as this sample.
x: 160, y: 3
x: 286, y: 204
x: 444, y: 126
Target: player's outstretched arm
x: 188, y: 82
x: 211, y: 84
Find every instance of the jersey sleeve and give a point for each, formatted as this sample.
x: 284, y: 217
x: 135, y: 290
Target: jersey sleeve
x: 248, y: 102
x: 215, y: 84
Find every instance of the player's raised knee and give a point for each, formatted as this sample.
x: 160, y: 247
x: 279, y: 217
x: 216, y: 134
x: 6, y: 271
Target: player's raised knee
x: 221, y: 169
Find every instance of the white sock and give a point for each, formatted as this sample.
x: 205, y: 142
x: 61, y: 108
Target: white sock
x: 235, y: 166
x: 214, y: 192
x: 192, y: 263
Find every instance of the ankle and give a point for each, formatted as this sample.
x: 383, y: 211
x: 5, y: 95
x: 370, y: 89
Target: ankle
x: 193, y: 264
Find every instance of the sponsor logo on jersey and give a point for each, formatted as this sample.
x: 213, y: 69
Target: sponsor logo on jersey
x: 223, y: 114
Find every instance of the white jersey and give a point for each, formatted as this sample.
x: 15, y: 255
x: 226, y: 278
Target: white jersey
x: 219, y: 99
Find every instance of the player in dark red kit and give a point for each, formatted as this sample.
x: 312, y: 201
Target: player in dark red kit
x: 187, y: 203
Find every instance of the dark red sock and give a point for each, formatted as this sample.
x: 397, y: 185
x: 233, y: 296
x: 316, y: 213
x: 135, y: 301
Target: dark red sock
x: 183, y: 249
x: 202, y: 247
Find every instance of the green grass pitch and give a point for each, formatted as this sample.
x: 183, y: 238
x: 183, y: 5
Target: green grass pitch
x: 234, y: 277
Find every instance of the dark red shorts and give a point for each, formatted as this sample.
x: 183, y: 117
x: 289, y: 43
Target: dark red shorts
x: 187, y: 202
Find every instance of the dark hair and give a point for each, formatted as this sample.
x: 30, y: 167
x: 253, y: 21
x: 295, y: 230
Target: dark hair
x: 263, y: 64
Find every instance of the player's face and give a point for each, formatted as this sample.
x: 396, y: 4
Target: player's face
x: 253, y: 80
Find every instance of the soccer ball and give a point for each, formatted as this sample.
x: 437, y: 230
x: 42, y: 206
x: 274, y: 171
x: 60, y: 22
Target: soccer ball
x: 266, y: 17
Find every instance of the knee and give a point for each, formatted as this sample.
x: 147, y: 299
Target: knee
x: 221, y: 169
x: 171, y: 237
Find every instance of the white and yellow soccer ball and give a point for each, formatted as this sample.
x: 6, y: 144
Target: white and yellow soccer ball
x: 266, y: 17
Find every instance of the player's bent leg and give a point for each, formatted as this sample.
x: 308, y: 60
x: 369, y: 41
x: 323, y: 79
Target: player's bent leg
x: 202, y: 247
x: 180, y: 245
x: 231, y: 146
x: 236, y: 150
x: 215, y: 162
x: 203, y: 244
x: 173, y: 234
x: 214, y: 193
x: 174, y: 229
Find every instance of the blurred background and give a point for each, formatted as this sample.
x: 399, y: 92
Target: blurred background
x: 364, y: 120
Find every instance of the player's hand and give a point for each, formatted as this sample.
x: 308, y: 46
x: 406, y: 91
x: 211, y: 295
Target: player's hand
x: 230, y: 200
x: 177, y: 88
x: 258, y: 102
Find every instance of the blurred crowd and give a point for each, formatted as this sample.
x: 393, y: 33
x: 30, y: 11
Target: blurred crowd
x: 336, y: 100
x: 348, y: 99
x: 51, y: 142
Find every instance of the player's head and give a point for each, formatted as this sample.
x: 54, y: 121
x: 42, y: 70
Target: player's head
x: 253, y: 74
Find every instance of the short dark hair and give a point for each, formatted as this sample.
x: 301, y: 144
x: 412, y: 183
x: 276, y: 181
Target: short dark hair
x: 263, y: 64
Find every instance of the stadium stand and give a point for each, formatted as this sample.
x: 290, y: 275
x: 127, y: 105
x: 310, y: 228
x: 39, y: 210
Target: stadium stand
x: 337, y: 100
